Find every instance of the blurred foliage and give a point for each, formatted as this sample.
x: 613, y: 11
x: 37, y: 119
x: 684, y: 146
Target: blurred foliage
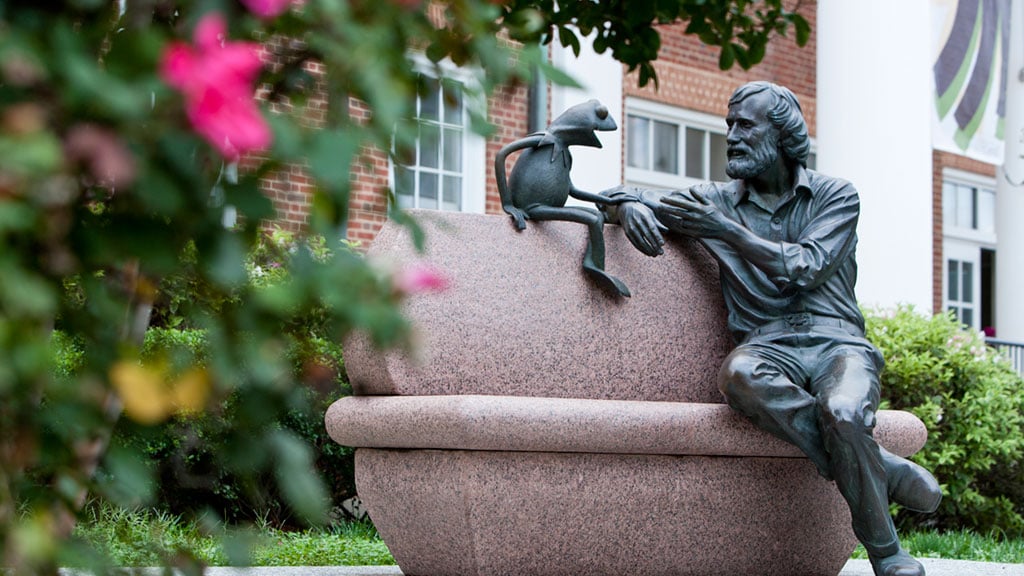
x: 740, y: 28
x: 180, y: 455
x: 111, y: 211
x: 972, y: 402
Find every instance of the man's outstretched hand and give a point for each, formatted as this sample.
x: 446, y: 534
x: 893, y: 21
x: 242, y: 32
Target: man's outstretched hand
x: 691, y: 214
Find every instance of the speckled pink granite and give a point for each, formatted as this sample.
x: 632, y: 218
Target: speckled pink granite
x: 461, y: 513
x: 522, y: 318
x: 548, y: 427
x: 516, y: 423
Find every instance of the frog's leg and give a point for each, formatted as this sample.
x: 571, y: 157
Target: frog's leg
x: 593, y: 260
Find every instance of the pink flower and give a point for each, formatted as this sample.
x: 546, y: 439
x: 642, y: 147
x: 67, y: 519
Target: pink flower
x: 420, y: 277
x: 267, y: 9
x: 216, y: 78
x: 103, y: 153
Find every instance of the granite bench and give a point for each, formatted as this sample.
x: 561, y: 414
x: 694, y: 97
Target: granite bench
x: 547, y: 427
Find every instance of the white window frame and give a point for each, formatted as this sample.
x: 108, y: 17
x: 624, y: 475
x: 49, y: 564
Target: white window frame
x: 474, y: 146
x: 683, y: 119
x: 963, y: 252
x: 984, y: 239
x: 963, y: 244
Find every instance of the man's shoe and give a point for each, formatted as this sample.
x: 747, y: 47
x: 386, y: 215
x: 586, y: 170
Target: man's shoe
x: 899, y: 564
x: 910, y: 485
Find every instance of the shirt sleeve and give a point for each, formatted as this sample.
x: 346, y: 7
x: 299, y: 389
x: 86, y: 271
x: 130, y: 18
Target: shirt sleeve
x: 828, y: 239
x: 649, y: 197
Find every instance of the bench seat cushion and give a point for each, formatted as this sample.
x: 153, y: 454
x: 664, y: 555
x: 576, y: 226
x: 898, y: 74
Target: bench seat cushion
x: 525, y: 424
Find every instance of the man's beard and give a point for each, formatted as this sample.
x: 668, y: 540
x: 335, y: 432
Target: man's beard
x: 756, y: 161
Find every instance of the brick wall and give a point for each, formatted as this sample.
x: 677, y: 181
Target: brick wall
x: 291, y: 189
x: 940, y: 161
x: 368, y: 203
x: 508, y: 112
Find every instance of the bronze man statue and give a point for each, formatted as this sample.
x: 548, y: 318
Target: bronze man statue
x: 785, y: 240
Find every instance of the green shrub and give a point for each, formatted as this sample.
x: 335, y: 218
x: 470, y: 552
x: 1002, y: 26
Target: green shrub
x: 186, y: 294
x: 972, y: 402
x: 190, y: 476
x: 68, y: 354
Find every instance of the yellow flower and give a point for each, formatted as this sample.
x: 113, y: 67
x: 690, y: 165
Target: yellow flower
x: 150, y: 395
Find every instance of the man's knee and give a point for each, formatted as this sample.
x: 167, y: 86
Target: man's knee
x: 732, y: 377
x: 743, y: 378
x: 846, y: 416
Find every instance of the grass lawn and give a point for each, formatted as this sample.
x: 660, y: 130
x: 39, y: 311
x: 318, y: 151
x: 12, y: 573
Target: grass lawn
x: 960, y: 545
x: 148, y: 538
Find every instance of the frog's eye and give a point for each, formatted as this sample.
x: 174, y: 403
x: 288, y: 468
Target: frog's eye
x: 602, y: 112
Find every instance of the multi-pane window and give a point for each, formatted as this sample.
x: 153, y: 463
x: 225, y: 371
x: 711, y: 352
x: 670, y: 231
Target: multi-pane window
x: 675, y: 148
x: 960, y: 297
x: 433, y: 173
x: 653, y: 144
x: 968, y: 206
x: 665, y: 149
x: 969, y: 241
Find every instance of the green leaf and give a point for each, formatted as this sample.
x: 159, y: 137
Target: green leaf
x: 32, y: 154
x: 247, y: 198
x: 25, y: 292
x: 740, y: 54
x: 127, y: 479
x: 287, y: 144
x: 436, y: 51
x: 650, y: 40
x: 227, y: 264
x: 330, y: 155
x: 756, y: 52
x: 302, y: 488
x: 88, y: 4
x: 569, y: 40
x: 90, y: 87
x: 647, y: 74
x: 803, y: 29
x: 727, y: 57
x: 697, y: 26
x: 403, y: 218
x: 550, y: 71
x: 159, y: 192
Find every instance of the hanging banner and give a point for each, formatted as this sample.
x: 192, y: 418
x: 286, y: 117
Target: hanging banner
x: 970, y: 43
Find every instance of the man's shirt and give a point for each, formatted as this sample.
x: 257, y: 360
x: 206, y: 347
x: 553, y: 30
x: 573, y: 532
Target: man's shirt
x: 815, y: 230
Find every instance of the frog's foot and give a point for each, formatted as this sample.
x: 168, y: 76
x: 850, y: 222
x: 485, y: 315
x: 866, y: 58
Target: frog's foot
x: 606, y: 278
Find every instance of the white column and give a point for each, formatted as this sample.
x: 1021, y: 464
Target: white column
x: 873, y: 129
x: 594, y: 169
x: 1009, y: 309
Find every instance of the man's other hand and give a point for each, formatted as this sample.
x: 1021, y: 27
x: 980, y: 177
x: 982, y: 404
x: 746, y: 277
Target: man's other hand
x: 642, y: 228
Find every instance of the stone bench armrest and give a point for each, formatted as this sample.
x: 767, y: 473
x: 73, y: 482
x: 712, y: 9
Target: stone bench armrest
x: 527, y: 424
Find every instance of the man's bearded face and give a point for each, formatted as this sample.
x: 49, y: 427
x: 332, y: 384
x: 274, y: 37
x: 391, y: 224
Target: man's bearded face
x: 751, y: 157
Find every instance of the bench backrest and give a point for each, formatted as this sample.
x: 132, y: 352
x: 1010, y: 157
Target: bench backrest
x: 521, y: 317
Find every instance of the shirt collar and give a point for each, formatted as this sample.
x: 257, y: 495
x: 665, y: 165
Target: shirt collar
x: 803, y: 184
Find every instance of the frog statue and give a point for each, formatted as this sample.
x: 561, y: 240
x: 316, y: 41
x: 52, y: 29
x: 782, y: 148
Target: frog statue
x: 539, y: 184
